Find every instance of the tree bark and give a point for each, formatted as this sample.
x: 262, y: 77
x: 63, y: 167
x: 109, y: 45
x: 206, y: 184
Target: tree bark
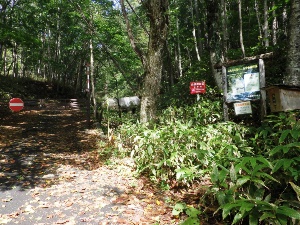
x: 241, y: 28
x: 224, y: 31
x: 293, y: 68
x: 256, y: 6
x: 212, y: 19
x: 274, y: 25
x: 178, y: 55
x: 153, y: 60
x: 194, y: 31
x: 266, y: 24
x: 157, y: 14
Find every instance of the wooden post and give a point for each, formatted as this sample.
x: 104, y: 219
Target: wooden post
x: 224, y: 83
x: 262, y: 83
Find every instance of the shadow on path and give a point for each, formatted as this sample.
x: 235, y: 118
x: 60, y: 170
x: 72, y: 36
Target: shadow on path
x: 34, y: 143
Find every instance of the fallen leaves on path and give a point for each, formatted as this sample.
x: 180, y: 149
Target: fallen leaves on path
x: 51, y: 174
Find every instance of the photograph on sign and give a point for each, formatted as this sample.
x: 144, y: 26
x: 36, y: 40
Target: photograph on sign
x: 241, y: 108
x: 243, y: 83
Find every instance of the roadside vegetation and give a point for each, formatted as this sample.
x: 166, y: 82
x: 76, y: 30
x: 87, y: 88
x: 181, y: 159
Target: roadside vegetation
x: 245, y: 172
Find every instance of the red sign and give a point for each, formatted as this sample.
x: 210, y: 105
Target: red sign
x: 16, y: 104
x: 198, y: 87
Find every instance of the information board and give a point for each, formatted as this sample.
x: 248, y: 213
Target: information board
x: 243, y: 83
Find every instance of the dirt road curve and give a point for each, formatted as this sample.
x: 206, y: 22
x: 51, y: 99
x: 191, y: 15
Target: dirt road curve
x: 50, y: 173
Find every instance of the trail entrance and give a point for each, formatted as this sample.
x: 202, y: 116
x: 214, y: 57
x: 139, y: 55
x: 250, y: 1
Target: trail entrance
x: 51, y: 173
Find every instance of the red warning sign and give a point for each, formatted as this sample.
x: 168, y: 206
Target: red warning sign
x: 197, y: 87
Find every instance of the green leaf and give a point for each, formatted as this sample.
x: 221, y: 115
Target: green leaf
x: 253, y: 162
x: 227, y: 208
x: 295, y: 134
x: 276, y: 150
x: 265, y: 161
x: 221, y: 197
x: 214, y: 176
x: 268, y: 198
x: 258, y: 181
x: 267, y: 215
x: 278, y: 165
x: 265, y: 175
x: 287, y: 211
x: 222, y: 175
x: 192, y: 212
x: 282, y: 219
x: 242, y: 180
x: 287, y: 163
x: 178, y: 208
x: 191, y: 221
x: 253, y: 218
x: 237, y: 218
x: 296, y: 189
x: 246, y: 206
x: 283, y: 136
x: 232, y: 173
x: 258, y: 193
x: 150, y: 150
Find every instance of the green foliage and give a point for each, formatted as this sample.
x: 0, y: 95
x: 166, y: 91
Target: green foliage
x: 181, y: 145
x: 192, y: 213
x: 256, y: 188
x: 254, y: 171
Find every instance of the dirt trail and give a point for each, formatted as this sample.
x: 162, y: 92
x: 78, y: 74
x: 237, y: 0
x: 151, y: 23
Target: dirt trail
x: 50, y: 173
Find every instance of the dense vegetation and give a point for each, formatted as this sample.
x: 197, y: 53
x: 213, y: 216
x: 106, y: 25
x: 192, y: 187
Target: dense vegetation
x: 253, y: 171
x: 252, y: 166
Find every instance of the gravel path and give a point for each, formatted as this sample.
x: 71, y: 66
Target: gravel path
x: 50, y: 173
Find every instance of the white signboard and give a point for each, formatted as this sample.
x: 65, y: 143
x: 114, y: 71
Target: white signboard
x: 241, y: 108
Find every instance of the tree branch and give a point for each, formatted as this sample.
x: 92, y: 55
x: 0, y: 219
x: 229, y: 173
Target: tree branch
x: 139, y: 19
x: 137, y: 50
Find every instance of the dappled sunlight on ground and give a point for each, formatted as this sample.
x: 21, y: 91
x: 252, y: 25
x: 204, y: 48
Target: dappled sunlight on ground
x: 51, y: 173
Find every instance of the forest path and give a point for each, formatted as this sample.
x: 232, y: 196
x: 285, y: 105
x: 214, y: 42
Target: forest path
x: 50, y: 173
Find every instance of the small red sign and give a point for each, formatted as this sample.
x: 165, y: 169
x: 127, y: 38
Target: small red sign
x: 197, y: 87
x: 16, y: 104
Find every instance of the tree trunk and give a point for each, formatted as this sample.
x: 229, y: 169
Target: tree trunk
x: 266, y: 24
x: 15, y: 60
x: 157, y: 14
x: 93, y: 79
x: 212, y: 18
x: 224, y: 31
x: 153, y: 62
x: 178, y: 55
x: 293, y: 68
x: 241, y: 28
x: 198, y: 27
x: 258, y: 19
x: 194, y: 31
x: 274, y: 25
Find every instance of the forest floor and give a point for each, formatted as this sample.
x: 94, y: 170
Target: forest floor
x: 51, y: 173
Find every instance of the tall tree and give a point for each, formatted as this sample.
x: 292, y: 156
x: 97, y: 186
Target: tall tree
x: 293, y: 67
x: 153, y: 60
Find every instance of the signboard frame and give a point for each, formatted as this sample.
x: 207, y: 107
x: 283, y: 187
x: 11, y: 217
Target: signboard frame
x: 261, y: 99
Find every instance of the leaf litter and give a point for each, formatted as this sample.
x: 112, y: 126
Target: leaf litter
x: 51, y: 173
